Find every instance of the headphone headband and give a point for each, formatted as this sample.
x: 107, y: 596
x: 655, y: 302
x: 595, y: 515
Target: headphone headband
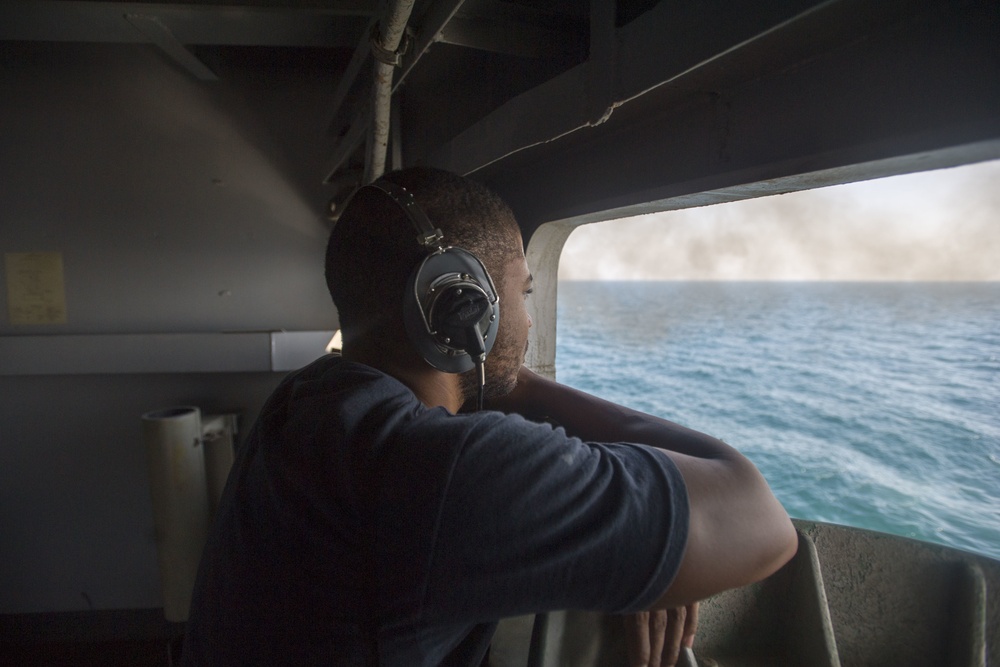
x: 427, y: 234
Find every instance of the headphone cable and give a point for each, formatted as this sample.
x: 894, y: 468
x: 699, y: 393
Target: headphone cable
x: 476, y: 348
x: 481, y: 371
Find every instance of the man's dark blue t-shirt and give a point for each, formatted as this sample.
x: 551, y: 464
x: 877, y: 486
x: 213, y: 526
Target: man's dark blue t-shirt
x: 359, y: 527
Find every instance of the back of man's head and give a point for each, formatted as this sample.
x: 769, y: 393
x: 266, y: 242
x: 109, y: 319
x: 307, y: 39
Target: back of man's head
x: 373, y: 247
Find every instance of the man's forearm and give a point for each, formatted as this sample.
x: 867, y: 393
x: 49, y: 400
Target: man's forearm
x: 595, y: 419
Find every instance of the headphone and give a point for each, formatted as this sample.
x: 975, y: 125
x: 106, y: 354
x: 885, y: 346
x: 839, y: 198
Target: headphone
x: 451, y: 308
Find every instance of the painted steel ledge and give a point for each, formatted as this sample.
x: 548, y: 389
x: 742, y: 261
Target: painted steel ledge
x: 104, y: 354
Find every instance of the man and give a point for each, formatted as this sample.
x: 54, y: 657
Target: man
x: 369, y: 521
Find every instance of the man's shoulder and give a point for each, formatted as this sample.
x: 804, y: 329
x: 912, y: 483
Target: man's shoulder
x: 336, y: 376
x: 333, y: 367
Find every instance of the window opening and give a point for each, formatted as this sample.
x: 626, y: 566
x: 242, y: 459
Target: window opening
x: 844, y: 339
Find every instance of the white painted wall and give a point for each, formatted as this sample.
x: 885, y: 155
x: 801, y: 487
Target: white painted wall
x: 170, y: 203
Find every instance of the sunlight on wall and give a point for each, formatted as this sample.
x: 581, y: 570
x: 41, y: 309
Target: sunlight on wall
x: 939, y: 225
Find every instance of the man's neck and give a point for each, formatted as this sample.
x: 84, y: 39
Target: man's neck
x: 432, y: 387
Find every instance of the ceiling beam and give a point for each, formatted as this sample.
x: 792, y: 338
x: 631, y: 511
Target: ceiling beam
x: 512, y: 38
x: 294, y: 24
x: 662, y: 45
x: 877, y: 98
x: 160, y: 35
x: 429, y: 31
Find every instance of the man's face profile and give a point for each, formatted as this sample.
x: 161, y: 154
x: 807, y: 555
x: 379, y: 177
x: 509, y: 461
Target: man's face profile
x: 508, y: 352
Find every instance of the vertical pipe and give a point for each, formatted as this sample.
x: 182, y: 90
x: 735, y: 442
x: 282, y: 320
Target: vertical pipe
x: 172, y: 439
x: 378, y: 138
x: 387, y: 39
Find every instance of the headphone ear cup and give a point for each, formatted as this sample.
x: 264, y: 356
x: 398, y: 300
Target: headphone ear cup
x: 456, y: 316
x: 450, y: 300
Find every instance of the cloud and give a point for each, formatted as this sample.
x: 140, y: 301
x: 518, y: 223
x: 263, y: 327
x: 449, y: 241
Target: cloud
x: 940, y: 225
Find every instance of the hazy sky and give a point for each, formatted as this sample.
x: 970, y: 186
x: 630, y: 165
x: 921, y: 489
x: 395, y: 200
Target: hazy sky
x: 938, y: 225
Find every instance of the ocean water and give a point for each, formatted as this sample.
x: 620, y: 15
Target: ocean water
x: 874, y: 405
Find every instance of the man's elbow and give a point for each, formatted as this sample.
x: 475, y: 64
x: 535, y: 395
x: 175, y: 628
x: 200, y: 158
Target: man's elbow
x: 738, y: 534
x: 771, y: 540
x: 786, y: 544
x: 778, y: 547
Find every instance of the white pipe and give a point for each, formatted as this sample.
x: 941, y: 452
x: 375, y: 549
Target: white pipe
x: 174, y: 453
x: 388, y: 38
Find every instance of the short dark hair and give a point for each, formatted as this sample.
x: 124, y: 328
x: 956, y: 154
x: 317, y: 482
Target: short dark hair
x: 373, y: 248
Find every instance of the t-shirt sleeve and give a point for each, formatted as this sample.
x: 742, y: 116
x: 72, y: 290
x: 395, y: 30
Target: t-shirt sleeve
x: 534, y: 520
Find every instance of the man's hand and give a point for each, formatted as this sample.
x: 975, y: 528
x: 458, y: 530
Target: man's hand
x: 655, y: 638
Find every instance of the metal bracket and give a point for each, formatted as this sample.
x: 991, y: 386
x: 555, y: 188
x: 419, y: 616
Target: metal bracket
x: 384, y: 55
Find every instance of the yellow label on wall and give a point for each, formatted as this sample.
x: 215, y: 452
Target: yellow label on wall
x: 36, y: 293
